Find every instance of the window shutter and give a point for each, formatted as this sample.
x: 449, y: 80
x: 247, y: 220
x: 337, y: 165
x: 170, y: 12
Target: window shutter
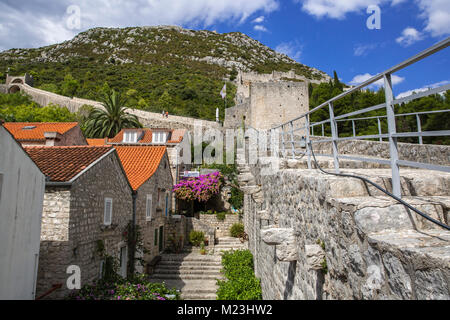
x: 149, y: 207
x: 108, y: 211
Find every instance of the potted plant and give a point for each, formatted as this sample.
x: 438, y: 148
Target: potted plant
x: 202, y: 249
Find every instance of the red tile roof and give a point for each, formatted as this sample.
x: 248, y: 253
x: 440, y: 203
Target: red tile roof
x: 176, y: 135
x: 140, y: 162
x: 35, y: 131
x: 96, y: 142
x: 62, y: 164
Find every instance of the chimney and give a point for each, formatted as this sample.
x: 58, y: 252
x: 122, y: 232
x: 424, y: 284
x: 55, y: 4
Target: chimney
x: 51, y: 138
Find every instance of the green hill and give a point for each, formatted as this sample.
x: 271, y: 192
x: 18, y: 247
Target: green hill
x: 160, y: 68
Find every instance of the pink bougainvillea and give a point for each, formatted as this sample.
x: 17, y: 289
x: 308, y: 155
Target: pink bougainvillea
x: 200, y: 189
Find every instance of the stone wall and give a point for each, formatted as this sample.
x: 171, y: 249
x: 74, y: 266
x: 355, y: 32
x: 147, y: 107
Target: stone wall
x: 316, y: 236
x: 234, y: 116
x: 148, y: 119
x: 221, y: 228
x: 161, y: 179
x: 426, y: 153
x: 175, y: 232
x: 72, y: 224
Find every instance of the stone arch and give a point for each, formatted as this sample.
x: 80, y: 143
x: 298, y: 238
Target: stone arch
x: 14, y: 89
x: 18, y: 81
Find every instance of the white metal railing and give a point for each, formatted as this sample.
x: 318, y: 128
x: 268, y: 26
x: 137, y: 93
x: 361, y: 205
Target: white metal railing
x: 302, y: 123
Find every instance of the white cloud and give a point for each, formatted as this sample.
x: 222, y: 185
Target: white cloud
x: 259, y: 19
x: 409, y: 36
x: 36, y: 23
x: 360, y: 78
x: 423, y: 89
x: 259, y: 27
x: 336, y: 9
x: 363, y: 49
x: 292, y: 49
x: 437, y: 16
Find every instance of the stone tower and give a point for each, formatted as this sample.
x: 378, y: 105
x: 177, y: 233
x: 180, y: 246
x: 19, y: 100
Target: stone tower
x: 267, y: 100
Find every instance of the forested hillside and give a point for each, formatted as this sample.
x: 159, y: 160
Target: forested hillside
x: 159, y: 68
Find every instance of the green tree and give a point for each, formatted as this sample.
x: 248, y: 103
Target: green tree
x: 69, y: 86
x: 108, y: 122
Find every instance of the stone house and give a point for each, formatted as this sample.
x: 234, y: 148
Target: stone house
x: 87, y: 207
x: 175, y: 140
x: 22, y: 187
x: 47, y: 133
x: 148, y: 170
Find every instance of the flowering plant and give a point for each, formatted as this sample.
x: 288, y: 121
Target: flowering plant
x: 200, y: 189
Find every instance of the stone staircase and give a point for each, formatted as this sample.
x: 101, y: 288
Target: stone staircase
x: 193, y: 274
x: 227, y: 244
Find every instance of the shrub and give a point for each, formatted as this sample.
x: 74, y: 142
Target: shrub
x: 137, y: 288
x: 196, y: 238
x: 236, y: 230
x: 237, y: 198
x: 241, y: 283
x: 221, y: 216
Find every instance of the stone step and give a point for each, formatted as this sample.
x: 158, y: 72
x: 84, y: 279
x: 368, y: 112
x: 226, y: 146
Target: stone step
x: 182, y: 267
x: 189, y: 264
x: 163, y: 276
x: 199, y: 296
x: 187, y: 272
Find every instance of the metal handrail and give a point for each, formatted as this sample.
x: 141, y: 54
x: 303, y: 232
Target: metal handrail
x: 389, y: 106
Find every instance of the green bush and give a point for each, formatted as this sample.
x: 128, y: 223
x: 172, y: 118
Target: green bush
x: 237, y: 198
x: 221, y: 215
x: 241, y: 283
x: 236, y: 230
x: 137, y: 288
x: 196, y: 238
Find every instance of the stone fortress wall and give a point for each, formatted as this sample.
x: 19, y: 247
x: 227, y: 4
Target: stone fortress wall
x: 148, y: 119
x: 266, y: 100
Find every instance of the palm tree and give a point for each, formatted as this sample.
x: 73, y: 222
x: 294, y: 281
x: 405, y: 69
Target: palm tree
x: 108, y: 122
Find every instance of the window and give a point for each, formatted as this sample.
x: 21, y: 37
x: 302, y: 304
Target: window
x: 159, y: 137
x: 149, y: 204
x: 130, y: 137
x: 108, y: 211
x: 102, y: 267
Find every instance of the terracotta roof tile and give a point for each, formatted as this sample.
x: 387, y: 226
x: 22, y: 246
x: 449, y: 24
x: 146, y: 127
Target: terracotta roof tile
x: 96, y: 142
x: 62, y: 164
x: 140, y: 162
x: 35, y: 130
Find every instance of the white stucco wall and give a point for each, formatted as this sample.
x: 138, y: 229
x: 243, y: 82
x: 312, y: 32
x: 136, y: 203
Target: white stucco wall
x: 21, y: 197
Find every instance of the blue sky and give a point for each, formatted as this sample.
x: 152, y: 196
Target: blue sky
x: 325, y: 34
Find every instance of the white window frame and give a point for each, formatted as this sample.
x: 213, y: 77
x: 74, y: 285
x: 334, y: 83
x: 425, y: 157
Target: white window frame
x: 105, y: 222
x: 130, y: 137
x: 149, y: 208
x: 159, y: 137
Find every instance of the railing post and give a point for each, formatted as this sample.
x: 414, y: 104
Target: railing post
x: 292, y: 140
x: 283, y: 152
x: 334, y: 137
x: 308, y: 151
x: 353, y: 126
x: 312, y: 131
x: 393, y: 148
x: 379, y: 128
x: 419, y: 128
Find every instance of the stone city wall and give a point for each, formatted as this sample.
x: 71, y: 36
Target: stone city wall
x: 315, y: 236
x: 148, y: 119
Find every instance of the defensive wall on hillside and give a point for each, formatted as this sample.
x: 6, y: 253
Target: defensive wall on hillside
x: 148, y: 119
